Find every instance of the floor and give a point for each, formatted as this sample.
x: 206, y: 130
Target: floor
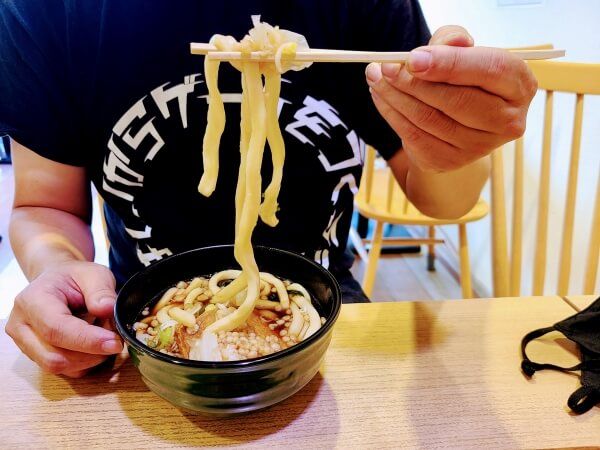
x: 406, y: 278
x: 398, y: 277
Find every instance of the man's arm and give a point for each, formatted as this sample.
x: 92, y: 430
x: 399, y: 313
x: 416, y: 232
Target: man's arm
x: 51, y: 213
x: 452, y: 107
x: 444, y: 195
x: 51, y: 238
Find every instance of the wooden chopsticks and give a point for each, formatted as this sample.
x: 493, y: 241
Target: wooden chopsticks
x: 340, y: 56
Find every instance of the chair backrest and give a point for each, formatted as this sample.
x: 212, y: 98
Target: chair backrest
x: 553, y: 76
x: 533, y: 47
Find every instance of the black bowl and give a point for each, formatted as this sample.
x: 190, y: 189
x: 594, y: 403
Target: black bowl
x: 231, y: 386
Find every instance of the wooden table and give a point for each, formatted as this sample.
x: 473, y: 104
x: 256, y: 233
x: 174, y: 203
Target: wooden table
x: 580, y: 302
x: 397, y: 375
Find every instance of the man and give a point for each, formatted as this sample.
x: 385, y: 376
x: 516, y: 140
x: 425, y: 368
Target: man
x: 107, y: 92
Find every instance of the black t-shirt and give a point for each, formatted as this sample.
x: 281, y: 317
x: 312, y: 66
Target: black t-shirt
x: 111, y: 86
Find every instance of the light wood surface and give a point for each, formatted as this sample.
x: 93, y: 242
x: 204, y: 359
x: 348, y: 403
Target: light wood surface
x: 579, y: 302
x: 516, y: 245
x: 569, y: 219
x: 546, y: 46
x: 581, y: 79
x: 397, y: 375
x: 374, y: 253
x: 346, y: 56
x: 499, y: 241
x: 563, y: 76
x: 593, y: 253
x: 465, y: 265
x: 539, y: 266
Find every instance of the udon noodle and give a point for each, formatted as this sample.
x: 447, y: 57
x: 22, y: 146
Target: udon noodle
x: 235, y: 305
x: 281, y: 317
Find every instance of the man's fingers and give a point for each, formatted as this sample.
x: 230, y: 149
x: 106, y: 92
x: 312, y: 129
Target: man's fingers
x: 424, y: 150
x: 44, y: 326
x: 52, y: 359
x: 447, y: 35
x: 76, y: 373
x: 495, y: 70
x: 72, y: 333
x: 53, y: 320
x: 452, y: 35
x: 97, y: 284
x: 434, y: 121
x: 44, y: 355
x: 493, y: 114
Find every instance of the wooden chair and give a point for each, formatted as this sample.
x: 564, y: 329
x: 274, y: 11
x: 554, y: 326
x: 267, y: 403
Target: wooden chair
x: 533, y: 47
x: 381, y: 199
x: 553, y: 76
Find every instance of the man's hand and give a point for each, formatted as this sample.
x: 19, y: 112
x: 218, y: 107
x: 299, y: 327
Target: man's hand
x: 453, y: 104
x: 43, y: 322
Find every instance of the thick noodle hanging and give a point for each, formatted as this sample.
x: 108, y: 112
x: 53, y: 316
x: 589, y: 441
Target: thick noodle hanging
x: 259, y: 124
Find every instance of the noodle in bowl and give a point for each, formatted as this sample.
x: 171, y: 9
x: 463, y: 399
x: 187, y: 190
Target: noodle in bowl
x: 258, y: 125
x: 180, y: 353
x: 227, y: 387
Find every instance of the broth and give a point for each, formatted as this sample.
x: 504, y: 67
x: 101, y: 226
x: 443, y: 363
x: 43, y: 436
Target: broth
x: 178, y: 323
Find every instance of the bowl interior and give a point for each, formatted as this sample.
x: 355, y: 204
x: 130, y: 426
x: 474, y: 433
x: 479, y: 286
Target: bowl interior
x: 150, y: 283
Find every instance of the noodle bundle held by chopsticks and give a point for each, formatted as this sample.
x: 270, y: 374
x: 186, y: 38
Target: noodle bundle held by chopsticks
x: 259, y: 123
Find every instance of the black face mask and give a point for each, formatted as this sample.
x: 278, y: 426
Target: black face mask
x: 582, y: 328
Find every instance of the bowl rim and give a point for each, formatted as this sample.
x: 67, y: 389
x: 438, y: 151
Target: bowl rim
x: 131, y: 340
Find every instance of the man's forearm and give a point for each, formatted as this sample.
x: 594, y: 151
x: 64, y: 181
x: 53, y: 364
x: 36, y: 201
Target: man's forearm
x: 43, y: 237
x: 446, y: 195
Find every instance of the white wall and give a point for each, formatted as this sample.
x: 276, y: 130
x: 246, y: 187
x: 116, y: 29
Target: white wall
x: 569, y: 24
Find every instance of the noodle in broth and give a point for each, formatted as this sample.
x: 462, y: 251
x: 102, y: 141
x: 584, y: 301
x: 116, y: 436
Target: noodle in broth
x: 197, y: 319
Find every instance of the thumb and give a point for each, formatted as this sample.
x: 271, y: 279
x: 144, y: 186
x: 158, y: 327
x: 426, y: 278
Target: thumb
x: 449, y: 36
x: 97, y: 285
x: 454, y: 35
